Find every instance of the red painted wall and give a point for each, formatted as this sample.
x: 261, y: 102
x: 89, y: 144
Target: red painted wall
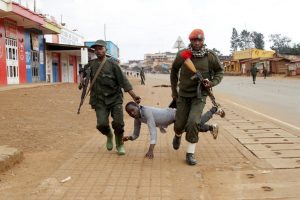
x: 3, y: 75
x: 21, y: 51
x: 73, y: 60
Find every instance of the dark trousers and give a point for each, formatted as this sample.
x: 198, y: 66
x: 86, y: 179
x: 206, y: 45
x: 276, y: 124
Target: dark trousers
x: 187, y: 116
x: 102, y: 113
x: 203, y: 127
x: 254, y: 78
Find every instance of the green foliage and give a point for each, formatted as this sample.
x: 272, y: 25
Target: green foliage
x: 281, y: 44
x: 258, y: 40
x: 245, y: 40
x: 235, y: 40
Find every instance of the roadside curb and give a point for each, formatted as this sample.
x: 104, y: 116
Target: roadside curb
x: 9, y: 157
x: 22, y: 86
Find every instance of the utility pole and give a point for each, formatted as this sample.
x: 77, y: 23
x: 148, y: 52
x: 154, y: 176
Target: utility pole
x: 105, y: 32
x: 34, y: 5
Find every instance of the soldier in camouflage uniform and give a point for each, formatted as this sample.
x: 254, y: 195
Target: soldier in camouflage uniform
x: 189, y: 106
x: 107, y: 98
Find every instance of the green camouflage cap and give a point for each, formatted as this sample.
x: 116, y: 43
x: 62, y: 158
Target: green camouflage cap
x: 99, y: 43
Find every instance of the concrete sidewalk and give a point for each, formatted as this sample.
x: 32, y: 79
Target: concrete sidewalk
x: 253, y: 158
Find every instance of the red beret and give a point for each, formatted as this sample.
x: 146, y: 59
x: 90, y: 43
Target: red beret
x: 196, y: 34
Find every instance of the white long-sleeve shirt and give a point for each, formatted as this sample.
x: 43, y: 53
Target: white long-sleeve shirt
x: 153, y: 117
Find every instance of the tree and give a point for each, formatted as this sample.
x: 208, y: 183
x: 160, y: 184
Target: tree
x: 235, y: 40
x: 216, y: 51
x: 258, y: 40
x: 245, y: 40
x: 279, y: 43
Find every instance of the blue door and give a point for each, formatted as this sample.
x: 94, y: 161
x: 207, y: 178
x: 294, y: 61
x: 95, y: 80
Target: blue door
x: 55, y: 72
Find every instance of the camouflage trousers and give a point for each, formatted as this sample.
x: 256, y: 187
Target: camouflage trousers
x: 187, y: 119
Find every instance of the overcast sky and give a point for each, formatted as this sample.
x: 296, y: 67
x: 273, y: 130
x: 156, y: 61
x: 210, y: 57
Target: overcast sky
x: 149, y: 26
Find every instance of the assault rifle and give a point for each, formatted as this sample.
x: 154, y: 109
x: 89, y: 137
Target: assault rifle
x: 85, y: 75
x: 201, y: 81
x: 186, y: 55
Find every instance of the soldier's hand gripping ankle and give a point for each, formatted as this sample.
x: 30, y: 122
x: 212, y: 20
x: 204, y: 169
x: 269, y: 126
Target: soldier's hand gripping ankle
x: 126, y: 138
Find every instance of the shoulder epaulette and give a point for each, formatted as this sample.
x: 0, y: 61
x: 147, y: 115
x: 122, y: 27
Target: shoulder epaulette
x: 212, y: 52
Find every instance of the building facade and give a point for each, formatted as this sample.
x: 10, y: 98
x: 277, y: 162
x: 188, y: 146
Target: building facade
x: 161, y: 62
x: 65, y: 53
x: 22, y: 44
x: 242, y: 61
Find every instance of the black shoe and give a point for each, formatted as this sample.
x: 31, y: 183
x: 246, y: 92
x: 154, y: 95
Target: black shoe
x: 190, y: 159
x: 176, y: 142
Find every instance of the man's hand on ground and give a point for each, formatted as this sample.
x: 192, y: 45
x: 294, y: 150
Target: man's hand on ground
x: 149, y: 154
x: 126, y: 138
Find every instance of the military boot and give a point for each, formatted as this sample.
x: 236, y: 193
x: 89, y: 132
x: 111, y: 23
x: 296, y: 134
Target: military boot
x: 190, y: 159
x: 119, y: 145
x: 109, y: 141
x: 176, y: 142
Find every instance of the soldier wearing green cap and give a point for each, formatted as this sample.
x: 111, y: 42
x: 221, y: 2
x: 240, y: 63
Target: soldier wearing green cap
x: 106, y: 96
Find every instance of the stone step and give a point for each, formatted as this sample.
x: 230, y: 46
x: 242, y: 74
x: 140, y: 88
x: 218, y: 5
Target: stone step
x: 9, y: 157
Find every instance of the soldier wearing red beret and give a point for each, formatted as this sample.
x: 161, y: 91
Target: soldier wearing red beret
x: 189, y: 104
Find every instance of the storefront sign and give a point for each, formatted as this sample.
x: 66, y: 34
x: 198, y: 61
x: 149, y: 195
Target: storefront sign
x: 28, y: 57
x: 34, y: 41
x: 21, y: 52
x: 41, y: 57
x: 68, y: 37
x: 10, y: 29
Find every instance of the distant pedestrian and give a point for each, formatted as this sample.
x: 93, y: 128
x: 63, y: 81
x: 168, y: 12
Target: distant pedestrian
x: 265, y: 72
x: 253, y: 71
x: 137, y: 74
x: 143, y: 78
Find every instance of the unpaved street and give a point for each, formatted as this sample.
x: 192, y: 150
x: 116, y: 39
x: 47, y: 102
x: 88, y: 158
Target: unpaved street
x: 59, y: 144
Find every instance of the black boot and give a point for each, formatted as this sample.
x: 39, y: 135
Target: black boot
x: 190, y: 159
x: 176, y: 142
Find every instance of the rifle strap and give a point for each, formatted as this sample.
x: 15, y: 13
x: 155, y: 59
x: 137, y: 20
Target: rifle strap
x: 95, y: 77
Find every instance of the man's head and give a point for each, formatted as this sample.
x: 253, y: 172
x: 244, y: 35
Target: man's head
x: 100, y: 48
x: 133, y: 110
x: 197, y: 39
